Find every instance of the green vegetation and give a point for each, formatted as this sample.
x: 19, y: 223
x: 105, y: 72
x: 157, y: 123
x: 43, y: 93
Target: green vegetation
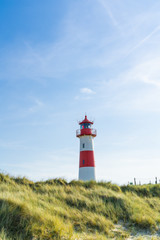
x: 55, y: 209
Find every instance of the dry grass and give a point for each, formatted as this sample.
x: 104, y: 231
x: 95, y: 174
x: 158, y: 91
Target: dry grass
x: 78, y: 210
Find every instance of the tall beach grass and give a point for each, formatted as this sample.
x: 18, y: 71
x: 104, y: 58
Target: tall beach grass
x: 56, y: 209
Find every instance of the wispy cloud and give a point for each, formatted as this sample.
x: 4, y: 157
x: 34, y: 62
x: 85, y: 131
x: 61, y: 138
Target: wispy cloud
x: 109, y: 12
x: 54, y: 59
x: 145, y: 70
x: 87, y: 91
x: 12, y: 145
x: 157, y: 29
x: 37, y: 106
x: 135, y: 89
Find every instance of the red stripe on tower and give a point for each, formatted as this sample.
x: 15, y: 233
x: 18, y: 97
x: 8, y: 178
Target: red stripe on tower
x: 86, y: 135
x: 86, y: 159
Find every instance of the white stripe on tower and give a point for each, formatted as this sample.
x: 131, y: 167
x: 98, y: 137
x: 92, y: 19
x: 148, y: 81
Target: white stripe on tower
x: 86, y: 143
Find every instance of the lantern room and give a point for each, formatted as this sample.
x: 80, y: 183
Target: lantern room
x: 86, y: 128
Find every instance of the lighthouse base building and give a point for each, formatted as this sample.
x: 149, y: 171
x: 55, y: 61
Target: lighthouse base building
x: 86, y: 135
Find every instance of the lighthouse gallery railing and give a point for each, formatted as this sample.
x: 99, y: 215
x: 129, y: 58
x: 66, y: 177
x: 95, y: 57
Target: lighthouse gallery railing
x: 91, y: 131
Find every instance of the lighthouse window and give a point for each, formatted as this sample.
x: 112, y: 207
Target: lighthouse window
x: 83, y: 162
x: 85, y: 125
x: 83, y: 145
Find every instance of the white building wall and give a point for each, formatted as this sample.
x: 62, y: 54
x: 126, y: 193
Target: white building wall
x: 87, y: 173
x: 86, y: 143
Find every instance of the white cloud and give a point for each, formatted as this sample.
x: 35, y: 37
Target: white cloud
x: 87, y: 91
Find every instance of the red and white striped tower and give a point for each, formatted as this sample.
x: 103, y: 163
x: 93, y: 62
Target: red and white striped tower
x: 86, y: 135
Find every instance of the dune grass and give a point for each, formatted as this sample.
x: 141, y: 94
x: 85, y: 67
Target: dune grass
x: 55, y: 209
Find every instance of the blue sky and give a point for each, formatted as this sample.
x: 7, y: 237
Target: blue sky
x: 62, y: 59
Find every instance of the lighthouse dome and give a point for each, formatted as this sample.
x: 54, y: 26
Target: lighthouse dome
x: 85, y: 121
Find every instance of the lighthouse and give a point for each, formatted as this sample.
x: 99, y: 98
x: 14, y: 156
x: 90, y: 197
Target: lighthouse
x: 86, y: 135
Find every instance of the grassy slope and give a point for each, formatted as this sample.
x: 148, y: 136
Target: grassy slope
x: 78, y: 210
